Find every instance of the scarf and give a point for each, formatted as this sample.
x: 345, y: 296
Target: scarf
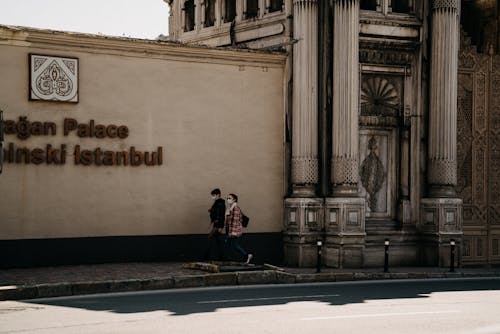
x: 229, y: 209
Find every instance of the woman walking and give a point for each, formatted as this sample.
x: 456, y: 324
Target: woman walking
x: 234, y: 228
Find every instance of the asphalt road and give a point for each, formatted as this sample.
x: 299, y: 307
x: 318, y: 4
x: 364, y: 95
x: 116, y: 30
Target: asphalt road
x: 406, y: 306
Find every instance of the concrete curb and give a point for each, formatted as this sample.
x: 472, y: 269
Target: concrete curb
x: 214, y: 279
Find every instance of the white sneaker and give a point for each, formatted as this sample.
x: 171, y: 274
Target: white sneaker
x: 249, y: 258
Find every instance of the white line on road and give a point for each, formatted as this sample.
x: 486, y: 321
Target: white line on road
x: 373, y: 315
x: 258, y: 299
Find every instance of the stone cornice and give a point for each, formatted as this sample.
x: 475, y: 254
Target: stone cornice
x: 380, y: 44
x: 80, y: 42
x: 243, y: 33
x: 390, y: 20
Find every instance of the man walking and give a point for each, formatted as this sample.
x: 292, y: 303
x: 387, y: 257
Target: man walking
x: 217, y: 216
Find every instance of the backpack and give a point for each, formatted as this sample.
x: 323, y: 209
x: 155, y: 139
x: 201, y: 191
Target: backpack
x: 244, y: 220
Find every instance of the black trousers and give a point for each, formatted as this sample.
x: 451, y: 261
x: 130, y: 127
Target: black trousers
x: 215, y: 247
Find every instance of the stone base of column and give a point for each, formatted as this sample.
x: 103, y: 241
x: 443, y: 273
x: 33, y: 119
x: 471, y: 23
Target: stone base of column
x: 304, y: 191
x: 404, y: 248
x: 343, y: 191
x: 303, y: 227
x: 442, y: 191
x: 346, y: 251
x: 300, y: 252
x: 440, y: 223
x: 344, y: 222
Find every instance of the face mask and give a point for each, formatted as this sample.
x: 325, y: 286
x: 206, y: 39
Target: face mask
x: 214, y: 198
x: 230, y: 201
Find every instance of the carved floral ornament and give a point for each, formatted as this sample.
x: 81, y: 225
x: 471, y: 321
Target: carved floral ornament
x: 53, y: 78
x: 379, y: 97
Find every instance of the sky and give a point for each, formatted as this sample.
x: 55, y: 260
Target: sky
x: 128, y: 18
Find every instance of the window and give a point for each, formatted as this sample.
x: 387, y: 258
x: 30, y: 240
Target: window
x: 400, y: 6
x: 275, y: 5
x: 230, y: 10
x: 209, y: 13
x: 368, y: 4
x: 189, y: 15
x: 252, y: 8
x: 388, y: 6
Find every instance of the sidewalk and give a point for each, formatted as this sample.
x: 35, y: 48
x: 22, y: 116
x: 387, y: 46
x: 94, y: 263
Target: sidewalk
x: 27, y: 283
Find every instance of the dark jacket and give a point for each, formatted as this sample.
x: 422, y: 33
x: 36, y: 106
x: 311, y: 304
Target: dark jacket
x: 218, y: 213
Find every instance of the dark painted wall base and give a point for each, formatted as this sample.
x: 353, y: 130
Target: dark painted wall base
x: 266, y: 247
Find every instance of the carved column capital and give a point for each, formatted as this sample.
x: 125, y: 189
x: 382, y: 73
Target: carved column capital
x: 442, y: 171
x: 305, y: 170
x: 446, y: 4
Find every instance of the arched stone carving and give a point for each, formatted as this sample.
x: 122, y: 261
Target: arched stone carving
x: 379, y: 97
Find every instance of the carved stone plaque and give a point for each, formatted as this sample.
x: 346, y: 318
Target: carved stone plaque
x: 377, y: 172
x: 53, y: 78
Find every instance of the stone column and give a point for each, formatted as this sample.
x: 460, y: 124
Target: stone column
x: 345, y: 212
x: 305, y: 98
x: 174, y: 25
x: 304, y: 213
x: 239, y: 10
x: 218, y: 13
x: 441, y: 214
x: 262, y: 8
x: 182, y: 14
x: 442, y: 166
x: 244, y: 10
x: 197, y: 15
x: 345, y: 132
x: 267, y: 6
x: 203, y: 11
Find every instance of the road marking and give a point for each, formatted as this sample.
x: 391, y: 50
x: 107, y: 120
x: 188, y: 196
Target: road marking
x: 374, y: 315
x: 260, y: 299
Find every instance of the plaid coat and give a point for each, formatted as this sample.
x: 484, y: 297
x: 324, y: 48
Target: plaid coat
x: 233, y: 222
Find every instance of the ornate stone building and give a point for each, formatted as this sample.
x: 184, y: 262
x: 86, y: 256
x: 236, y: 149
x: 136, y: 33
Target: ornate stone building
x: 392, y: 122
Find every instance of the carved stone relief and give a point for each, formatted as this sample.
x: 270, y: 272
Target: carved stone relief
x: 373, y: 175
x: 478, y: 152
x: 53, y: 78
x: 494, y: 142
x: 371, y: 54
x: 379, y: 97
x: 381, y: 100
x: 464, y: 141
x: 377, y: 172
x: 380, y: 118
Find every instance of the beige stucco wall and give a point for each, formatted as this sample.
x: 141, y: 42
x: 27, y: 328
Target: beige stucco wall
x: 218, y: 114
